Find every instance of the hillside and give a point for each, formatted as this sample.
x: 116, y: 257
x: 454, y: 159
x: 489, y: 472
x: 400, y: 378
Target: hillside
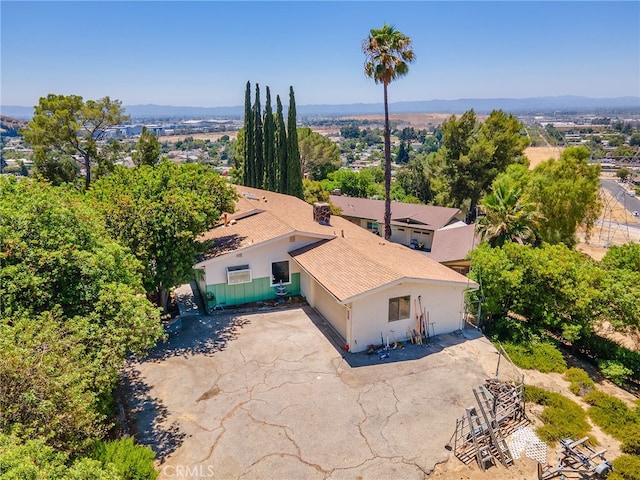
x: 567, y: 103
x: 10, y: 126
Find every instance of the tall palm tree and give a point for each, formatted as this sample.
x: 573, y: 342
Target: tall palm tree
x: 506, y: 217
x: 388, y: 54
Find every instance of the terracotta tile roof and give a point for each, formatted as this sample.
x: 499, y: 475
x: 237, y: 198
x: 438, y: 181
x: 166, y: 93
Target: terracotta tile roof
x: 428, y: 215
x: 347, y: 260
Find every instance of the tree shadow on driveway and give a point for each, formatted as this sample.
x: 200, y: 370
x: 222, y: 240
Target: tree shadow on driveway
x: 147, y: 416
x: 200, y: 335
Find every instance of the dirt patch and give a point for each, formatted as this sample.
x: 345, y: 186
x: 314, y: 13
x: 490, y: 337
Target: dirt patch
x: 609, y: 230
x: 537, y: 155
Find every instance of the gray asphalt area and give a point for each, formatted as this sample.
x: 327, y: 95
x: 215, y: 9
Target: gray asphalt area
x: 269, y: 395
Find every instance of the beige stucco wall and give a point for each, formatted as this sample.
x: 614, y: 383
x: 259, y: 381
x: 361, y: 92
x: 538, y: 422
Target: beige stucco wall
x: 370, y: 315
x: 259, y: 259
x: 325, y: 303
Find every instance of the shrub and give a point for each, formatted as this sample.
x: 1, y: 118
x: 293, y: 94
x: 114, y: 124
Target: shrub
x: 631, y: 443
x: 611, y: 414
x: 626, y: 467
x: 581, y: 383
x: 542, y: 356
x: 131, y: 461
x: 563, y: 418
x: 614, y: 371
x: 603, y: 348
x: 35, y: 460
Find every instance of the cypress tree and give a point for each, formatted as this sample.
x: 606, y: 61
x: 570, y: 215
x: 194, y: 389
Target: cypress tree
x: 270, y: 170
x: 281, y: 149
x: 294, y: 180
x: 258, y: 174
x: 249, y: 157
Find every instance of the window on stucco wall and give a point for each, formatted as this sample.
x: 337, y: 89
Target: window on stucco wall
x: 280, y: 272
x: 399, y: 308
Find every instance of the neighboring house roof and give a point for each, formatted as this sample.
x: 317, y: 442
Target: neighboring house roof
x: 429, y: 216
x: 453, y: 243
x: 347, y: 260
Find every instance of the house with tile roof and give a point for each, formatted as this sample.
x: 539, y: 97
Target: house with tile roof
x: 275, y: 245
x: 439, y: 232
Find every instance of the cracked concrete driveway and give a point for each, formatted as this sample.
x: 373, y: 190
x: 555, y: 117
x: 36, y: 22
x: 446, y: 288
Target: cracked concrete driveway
x: 267, y: 395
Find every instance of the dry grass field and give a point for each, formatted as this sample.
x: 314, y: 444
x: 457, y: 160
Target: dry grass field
x: 537, y: 155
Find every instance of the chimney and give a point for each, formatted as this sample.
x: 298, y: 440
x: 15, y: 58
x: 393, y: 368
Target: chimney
x: 322, y: 213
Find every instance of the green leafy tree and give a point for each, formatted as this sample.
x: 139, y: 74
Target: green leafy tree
x: 148, y: 151
x: 388, y: 54
x: 270, y: 170
x: 634, y: 139
x: 352, y: 184
x: 403, y: 155
x: 258, y: 139
x: 238, y: 160
x: 565, y: 193
x: 474, y: 154
x: 45, y: 382
x: 623, y: 173
x: 350, y: 131
x: 553, y: 287
x: 71, y: 312
x: 55, y: 167
x: 71, y: 126
x: 158, y: 213
x: 294, y: 173
x: 319, y: 155
x: 625, y: 256
x: 282, y: 153
x: 249, y: 162
x: 415, y: 178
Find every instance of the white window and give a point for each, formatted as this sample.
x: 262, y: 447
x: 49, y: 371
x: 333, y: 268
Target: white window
x: 238, y: 274
x: 280, y: 272
x: 399, y: 308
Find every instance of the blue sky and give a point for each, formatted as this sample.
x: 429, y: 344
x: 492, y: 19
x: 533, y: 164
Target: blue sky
x: 202, y: 53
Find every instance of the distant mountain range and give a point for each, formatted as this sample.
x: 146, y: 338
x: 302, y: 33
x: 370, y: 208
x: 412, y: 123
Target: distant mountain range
x: 531, y: 105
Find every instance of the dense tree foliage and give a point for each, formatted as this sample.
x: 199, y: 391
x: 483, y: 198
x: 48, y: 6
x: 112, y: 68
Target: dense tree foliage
x: 270, y: 181
x: 415, y: 178
x: 257, y: 179
x: 72, y: 310
x: 388, y: 53
x: 294, y: 169
x: 282, y: 150
x: 565, y: 193
x: 71, y: 126
x: 247, y: 152
x: 269, y: 154
x: 555, y: 289
x: 473, y: 154
x: 56, y: 167
x: 625, y: 257
x: 148, y: 150
x: 319, y: 156
x: 158, y: 213
x: 364, y: 183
